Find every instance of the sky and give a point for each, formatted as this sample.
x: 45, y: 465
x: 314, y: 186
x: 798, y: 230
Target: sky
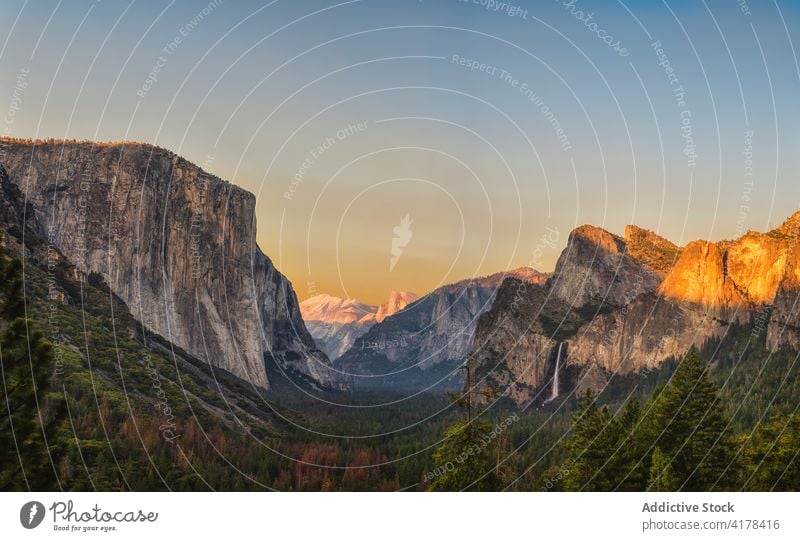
x: 406, y: 144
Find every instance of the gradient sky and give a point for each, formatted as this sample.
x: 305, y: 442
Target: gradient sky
x: 473, y: 158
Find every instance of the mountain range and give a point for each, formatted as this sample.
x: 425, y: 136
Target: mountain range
x: 335, y: 323
x: 176, y: 246
x: 622, y: 305
x: 422, y: 346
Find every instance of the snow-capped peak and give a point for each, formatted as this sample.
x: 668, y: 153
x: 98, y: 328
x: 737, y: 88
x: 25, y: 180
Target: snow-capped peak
x: 330, y: 309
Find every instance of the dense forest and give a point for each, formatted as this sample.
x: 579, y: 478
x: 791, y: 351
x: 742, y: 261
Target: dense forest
x: 94, y: 402
x: 723, y: 419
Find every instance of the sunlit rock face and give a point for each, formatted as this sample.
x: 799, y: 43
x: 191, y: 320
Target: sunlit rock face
x: 730, y: 275
x: 625, y: 304
x: 757, y: 264
x: 177, y: 244
x: 398, y: 300
x: 701, y: 276
x: 784, y: 317
x: 597, y: 268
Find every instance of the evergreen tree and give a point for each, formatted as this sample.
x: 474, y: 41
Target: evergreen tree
x: 25, y: 360
x: 687, y: 425
x: 662, y: 477
x: 773, y: 455
x: 593, y: 440
x: 629, y: 467
x: 465, y: 460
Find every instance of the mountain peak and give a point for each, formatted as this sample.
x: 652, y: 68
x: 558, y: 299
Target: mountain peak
x: 336, y: 323
x: 330, y: 309
x: 651, y: 249
x: 600, y: 237
x: 791, y: 227
x: 634, y: 232
x: 592, y: 267
x: 528, y: 274
x: 592, y: 232
x: 398, y: 300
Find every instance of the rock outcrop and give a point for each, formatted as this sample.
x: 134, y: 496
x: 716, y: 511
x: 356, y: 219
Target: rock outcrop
x: 597, y: 268
x: 730, y: 277
x: 177, y: 244
x: 515, y: 342
x: 86, y: 323
x: 650, y: 250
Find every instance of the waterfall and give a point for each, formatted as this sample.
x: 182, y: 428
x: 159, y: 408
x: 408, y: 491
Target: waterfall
x: 554, y: 392
x: 554, y: 388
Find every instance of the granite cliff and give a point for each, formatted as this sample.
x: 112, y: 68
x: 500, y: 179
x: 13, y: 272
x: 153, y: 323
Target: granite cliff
x: 627, y: 304
x: 177, y: 245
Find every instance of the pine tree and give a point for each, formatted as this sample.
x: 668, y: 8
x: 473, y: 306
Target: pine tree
x: 25, y: 359
x: 662, y: 477
x: 773, y: 455
x: 629, y: 467
x: 594, y: 438
x: 688, y: 426
x: 465, y: 460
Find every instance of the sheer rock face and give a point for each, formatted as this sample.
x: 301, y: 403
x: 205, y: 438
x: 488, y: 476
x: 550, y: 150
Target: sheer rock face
x: 622, y: 305
x: 512, y: 347
x: 177, y: 245
x: 730, y: 277
x: 13, y: 210
x: 701, y: 276
x: 641, y: 336
x: 595, y: 268
x: 783, y: 327
x: 597, y: 276
x: 757, y: 264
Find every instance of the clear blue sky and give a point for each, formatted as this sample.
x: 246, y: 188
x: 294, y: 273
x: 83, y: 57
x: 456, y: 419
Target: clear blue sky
x: 586, y: 128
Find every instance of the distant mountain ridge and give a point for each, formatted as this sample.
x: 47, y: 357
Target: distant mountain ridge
x: 398, y: 300
x: 335, y: 323
x: 423, y: 345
